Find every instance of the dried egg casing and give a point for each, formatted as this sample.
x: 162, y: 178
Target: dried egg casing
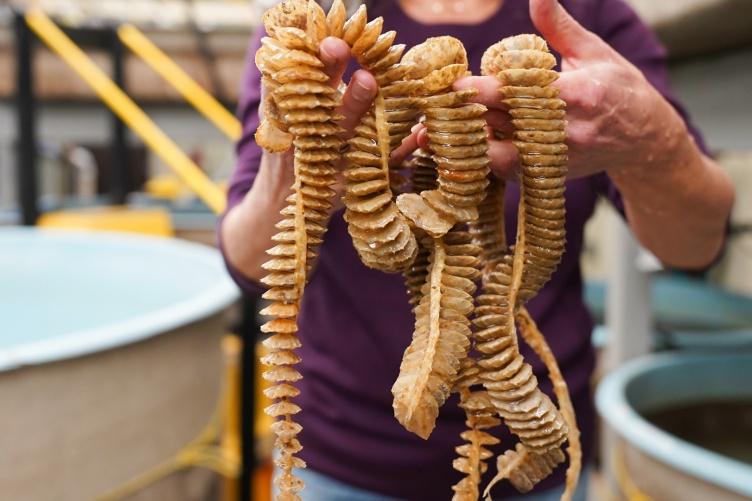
x: 523, y: 66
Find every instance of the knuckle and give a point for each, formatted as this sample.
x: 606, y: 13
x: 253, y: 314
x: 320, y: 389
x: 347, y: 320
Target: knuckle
x: 592, y: 95
x: 584, y: 132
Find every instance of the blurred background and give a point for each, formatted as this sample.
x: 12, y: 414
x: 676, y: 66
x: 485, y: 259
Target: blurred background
x: 127, y: 356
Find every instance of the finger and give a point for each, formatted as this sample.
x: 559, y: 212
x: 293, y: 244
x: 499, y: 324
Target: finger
x: 570, y: 84
x: 564, y: 33
x: 335, y: 54
x: 504, y: 159
x: 488, y: 90
x: 500, y: 122
x: 405, y: 149
x: 582, y: 92
x: 357, y: 99
x: 422, y: 137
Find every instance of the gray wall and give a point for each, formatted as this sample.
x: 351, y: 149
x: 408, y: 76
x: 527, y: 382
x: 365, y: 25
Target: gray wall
x: 718, y: 92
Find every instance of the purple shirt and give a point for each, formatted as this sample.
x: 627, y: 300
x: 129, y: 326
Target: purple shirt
x: 356, y: 322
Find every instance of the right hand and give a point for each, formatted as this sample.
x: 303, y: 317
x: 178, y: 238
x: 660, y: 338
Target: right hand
x: 356, y: 101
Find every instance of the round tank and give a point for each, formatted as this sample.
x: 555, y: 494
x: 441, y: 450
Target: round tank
x: 679, y: 426
x: 109, y: 359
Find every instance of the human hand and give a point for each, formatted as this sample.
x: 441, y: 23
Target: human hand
x: 356, y: 100
x: 616, y: 119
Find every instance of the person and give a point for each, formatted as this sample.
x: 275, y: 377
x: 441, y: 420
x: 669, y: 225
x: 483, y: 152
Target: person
x: 629, y: 140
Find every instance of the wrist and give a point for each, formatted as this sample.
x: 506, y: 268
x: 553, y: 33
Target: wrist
x: 669, y: 177
x: 662, y: 149
x: 256, y: 216
x: 272, y: 184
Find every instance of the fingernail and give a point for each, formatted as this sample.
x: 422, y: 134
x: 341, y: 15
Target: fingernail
x: 415, y: 128
x: 325, y: 52
x: 361, y: 92
x: 461, y: 82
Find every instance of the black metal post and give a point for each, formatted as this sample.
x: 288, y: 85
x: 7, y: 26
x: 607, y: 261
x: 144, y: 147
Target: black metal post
x: 250, y: 331
x: 119, y: 179
x: 26, y: 169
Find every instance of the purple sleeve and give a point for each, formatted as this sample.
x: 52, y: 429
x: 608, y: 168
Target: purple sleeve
x: 621, y: 28
x: 247, y: 152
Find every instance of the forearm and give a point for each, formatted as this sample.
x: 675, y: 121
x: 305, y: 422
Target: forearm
x: 677, y: 200
x: 247, y: 229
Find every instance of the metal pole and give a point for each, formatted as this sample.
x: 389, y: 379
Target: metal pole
x: 250, y: 333
x: 119, y: 179
x: 628, y: 311
x: 230, y: 437
x: 628, y: 318
x: 26, y: 170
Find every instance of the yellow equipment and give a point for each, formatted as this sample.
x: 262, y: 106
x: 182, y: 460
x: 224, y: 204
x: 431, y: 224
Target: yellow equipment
x: 155, y: 222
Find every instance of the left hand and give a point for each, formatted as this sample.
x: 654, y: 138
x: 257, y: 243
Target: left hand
x: 616, y: 118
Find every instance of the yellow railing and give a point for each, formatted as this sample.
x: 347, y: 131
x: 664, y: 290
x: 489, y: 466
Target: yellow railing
x: 174, y: 75
x: 128, y: 111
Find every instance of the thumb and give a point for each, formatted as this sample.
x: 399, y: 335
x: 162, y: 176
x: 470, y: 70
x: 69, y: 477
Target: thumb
x: 357, y: 100
x: 564, y: 33
x: 335, y: 54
